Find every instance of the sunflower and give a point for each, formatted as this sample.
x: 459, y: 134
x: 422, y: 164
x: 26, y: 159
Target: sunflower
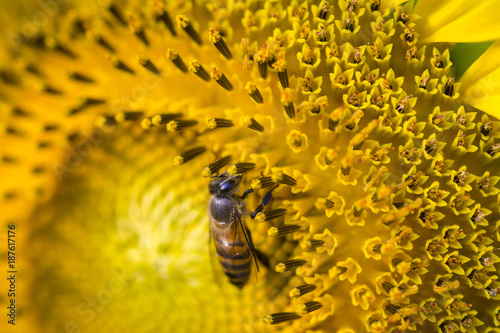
x: 381, y: 155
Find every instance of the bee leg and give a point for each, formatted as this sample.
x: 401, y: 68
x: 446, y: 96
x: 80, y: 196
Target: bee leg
x: 264, y: 202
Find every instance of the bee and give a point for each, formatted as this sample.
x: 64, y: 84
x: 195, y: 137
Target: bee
x: 233, y: 243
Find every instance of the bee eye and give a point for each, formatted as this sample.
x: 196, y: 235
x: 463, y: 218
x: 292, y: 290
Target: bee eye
x: 226, y: 186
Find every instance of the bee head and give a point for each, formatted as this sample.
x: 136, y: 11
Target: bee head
x: 224, y: 184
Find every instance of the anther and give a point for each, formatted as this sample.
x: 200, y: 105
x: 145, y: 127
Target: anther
x: 215, y: 37
x: 240, y: 168
x: 184, y: 23
x: 493, y: 149
x: 214, y: 123
x: 80, y: 77
x: 324, y: 203
x: 189, y: 155
x: 283, y: 178
x: 50, y: 90
x: 449, y: 87
x: 198, y: 69
x: 305, y: 308
x: 20, y: 112
x: 116, y: 13
x: 103, y: 121
x: 262, y: 182
x: 221, y: 79
x: 286, y: 100
x: 349, y: 23
x: 325, y: 9
x: 164, y: 118
x: 176, y: 60
x: 404, y: 17
x: 146, y: 123
x: 314, y: 243
x: 273, y: 214
x: 377, y: 248
x: 178, y: 125
x: 289, y: 265
x: 486, y: 128
x: 375, y: 6
x: 165, y: 18
x: 255, y: 125
x: 262, y: 65
x: 254, y: 92
x: 213, y: 168
x: 50, y: 128
x: 128, y: 116
x: 104, y: 43
x: 392, y: 308
x: 387, y: 286
x: 146, y: 63
x: 280, y: 66
x: 138, y: 31
x: 118, y: 64
x: 301, y: 290
x: 282, y: 230
x: 278, y: 318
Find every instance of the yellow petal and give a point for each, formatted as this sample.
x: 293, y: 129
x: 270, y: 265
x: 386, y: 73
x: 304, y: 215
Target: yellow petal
x: 457, y: 21
x: 390, y: 4
x: 481, y: 82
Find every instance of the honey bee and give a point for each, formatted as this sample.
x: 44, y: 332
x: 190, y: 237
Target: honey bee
x: 233, y: 243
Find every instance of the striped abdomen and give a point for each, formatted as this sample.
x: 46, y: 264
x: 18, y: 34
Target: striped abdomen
x: 235, y: 257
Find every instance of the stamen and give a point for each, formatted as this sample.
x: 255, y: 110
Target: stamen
x: 282, y: 178
x: 138, y: 31
x: 221, y: 79
x: 20, y: 112
x: 146, y: 63
x: 289, y: 265
x: 486, y: 128
x: 301, y: 290
x: 392, y: 308
x: 215, y: 37
x: 146, y: 123
x: 164, y: 118
x: 213, y: 168
x: 493, y: 149
x: 254, y: 92
x: 163, y: 16
x: 325, y: 9
x: 118, y: 64
x: 184, y: 23
x: 255, y: 125
x: 278, y: 318
x: 178, y: 125
x: 387, y: 286
x: 219, y: 122
x: 128, y: 115
x: 198, y: 69
x: 273, y: 214
x: 104, y: 121
x: 305, y: 308
x: 280, y: 66
x: 282, y: 230
x: 240, y: 168
x: 116, y: 13
x: 50, y: 90
x: 176, y: 60
x: 375, y: 6
x: 324, y: 203
x: 314, y: 243
x: 80, y: 77
x: 286, y: 100
x: 449, y: 87
x: 189, y: 155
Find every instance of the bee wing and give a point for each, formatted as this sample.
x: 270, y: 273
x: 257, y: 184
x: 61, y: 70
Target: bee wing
x: 247, y: 239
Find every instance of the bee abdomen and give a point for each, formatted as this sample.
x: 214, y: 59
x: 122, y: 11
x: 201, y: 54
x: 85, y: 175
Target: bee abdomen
x: 236, y: 261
